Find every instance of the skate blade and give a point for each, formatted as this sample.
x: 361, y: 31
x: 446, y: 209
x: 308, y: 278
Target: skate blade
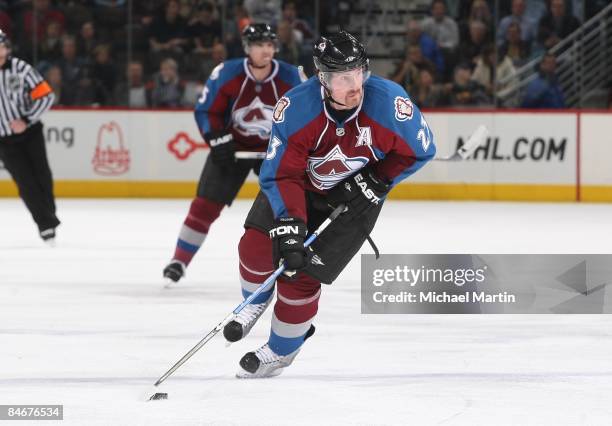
x: 243, y: 374
x: 168, y: 283
x: 50, y: 242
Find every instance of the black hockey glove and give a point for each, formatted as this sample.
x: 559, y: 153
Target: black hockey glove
x: 359, y: 192
x: 222, y: 147
x: 288, y: 235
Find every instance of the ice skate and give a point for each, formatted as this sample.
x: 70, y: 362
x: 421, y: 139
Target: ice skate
x: 48, y: 236
x: 174, y: 271
x: 264, y: 362
x: 240, y: 326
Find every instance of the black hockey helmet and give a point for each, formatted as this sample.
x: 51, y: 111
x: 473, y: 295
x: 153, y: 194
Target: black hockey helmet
x: 339, y: 52
x: 4, y: 39
x: 257, y: 32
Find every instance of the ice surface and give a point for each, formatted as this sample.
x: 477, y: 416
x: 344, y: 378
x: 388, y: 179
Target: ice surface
x: 87, y: 324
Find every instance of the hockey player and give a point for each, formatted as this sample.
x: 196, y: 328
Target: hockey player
x: 342, y: 137
x: 233, y: 113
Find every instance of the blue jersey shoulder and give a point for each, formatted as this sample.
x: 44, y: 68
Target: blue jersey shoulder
x: 289, y: 73
x: 389, y: 105
x: 227, y: 70
x: 298, y: 107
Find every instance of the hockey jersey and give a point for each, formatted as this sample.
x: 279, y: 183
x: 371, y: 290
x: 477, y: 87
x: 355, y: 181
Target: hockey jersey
x: 232, y: 99
x: 310, y: 151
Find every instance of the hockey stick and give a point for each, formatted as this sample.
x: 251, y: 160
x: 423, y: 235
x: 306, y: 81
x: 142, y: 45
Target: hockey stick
x: 468, y: 148
x: 248, y: 155
x: 265, y: 286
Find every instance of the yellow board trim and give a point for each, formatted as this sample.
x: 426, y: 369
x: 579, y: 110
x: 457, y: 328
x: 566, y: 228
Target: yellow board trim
x: 596, y: 193
x: 408, y: 191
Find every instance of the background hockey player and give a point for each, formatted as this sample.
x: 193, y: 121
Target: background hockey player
x: 233, y: 113
x: 341, y: 137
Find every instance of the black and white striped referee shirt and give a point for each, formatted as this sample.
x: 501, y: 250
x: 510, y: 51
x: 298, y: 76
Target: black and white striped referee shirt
x: 24, y: 94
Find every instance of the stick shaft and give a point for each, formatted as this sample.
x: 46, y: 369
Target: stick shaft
x: 265, y: 286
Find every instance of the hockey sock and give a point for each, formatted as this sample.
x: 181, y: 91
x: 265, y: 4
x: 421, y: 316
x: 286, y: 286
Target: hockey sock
x: 202, y: 213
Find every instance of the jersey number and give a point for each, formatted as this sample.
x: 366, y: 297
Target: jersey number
x: 273, y: 147
x: 424, y: 135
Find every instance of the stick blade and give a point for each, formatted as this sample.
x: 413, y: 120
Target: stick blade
x: 477, y: 138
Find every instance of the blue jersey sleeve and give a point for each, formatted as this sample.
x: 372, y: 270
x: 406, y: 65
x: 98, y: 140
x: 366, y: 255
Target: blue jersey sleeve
x: 211, y: 108
x: 282, y: 173
x: 411, y: 143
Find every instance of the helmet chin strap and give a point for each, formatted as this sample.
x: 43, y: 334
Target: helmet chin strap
x: 328, y: 97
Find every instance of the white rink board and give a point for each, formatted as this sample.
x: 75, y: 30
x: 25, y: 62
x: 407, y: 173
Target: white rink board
x: 523, y: 148
x: 596, y: 149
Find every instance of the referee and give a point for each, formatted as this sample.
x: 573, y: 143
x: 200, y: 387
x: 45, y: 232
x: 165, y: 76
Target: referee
x: 24, y: 97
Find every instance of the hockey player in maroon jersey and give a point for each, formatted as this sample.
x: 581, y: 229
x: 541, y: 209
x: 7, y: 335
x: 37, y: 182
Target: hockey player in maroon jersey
x: 233, y: 113
x: 342, y: 137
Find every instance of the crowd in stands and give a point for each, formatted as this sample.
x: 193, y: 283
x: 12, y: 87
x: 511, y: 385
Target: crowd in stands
x: 467, y: 59
x: 159, y: 53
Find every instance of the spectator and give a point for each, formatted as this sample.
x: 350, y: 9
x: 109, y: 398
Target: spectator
x: 556, y: 25
x: 442, y: 28
x: 233, y: 31
x: 70, y: 64
x: 479, y: 11
x: 429, y: 48
x: 76, y: 13
x: 166, y: 89
x: 203, y: 30
x: 428, y: 94
x: 407, y: 72
x: 218, y: 55
x: 53, y: 76
x: 516, y: 49
x: 288, y: 48
x: 545, y: 91
x: 88, y: 90
x: 167, y: 33
x: 50, y: 48
x: 132, y: 92
x: 267, y: 11
x: 44, y: 14
x: 303, y: 32
x: 471, y: 48
x: 103, y: 69
x: 111, y: 16
x: 87, y: 40
x: 489, y: 72
x: 465, y: 91
x: 526, y: 22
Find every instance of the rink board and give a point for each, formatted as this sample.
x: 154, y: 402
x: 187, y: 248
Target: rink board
x: 529, y: 156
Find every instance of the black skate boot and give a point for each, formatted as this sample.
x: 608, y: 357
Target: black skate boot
x: 240, y: 326
x: 174, y: 271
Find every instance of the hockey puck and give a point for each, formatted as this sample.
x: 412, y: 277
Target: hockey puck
x: 159, y: 395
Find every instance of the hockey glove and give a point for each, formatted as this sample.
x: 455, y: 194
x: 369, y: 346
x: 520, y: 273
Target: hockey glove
x: 222, y: 147
x: 288, y: 235
x: 359, y: 192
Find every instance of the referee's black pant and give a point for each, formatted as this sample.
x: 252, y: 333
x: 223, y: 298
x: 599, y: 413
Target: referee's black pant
x: 25, y: 158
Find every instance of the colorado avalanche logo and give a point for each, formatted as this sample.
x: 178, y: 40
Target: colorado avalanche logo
x: 254, y: 119
x: 403, y: 108
x: 326, y: 172
x: 279, y: 110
